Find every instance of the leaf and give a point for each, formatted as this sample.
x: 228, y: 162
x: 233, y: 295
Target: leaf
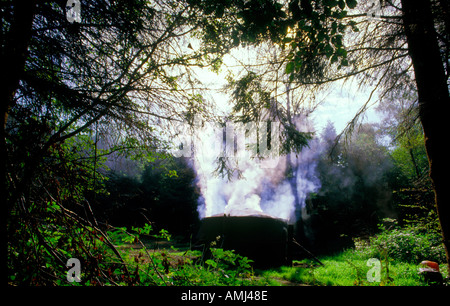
x: 334, y: 58
x: 220, y: 9
x: 165, y: 234
x: 52, y: 206
x: 129, y: 238
x: 298, y: 64
x: 337, y: 41
x: 351, y: 3
x: 289, y: 67
x: 172, y: 173
x: 211, y: 262
x: 328, y: 49
x: 147, y: 229
x: 341, y: 52
x: 330, y: 3
x: 322, y: 36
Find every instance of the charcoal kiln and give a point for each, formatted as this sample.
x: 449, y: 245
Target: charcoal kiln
x: 262, y: 238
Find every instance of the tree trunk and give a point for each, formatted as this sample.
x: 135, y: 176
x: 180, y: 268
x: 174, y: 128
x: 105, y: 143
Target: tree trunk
x: 413, y: 160
x: 434, y: 101
x: 13, y: 55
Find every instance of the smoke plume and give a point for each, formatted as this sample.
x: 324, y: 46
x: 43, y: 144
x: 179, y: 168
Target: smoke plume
x: 278, y: 189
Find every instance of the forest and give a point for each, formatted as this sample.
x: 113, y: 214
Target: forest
x: 118, y: 141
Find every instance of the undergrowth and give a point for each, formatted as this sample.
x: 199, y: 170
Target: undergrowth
x: 397, y: 251
x: 348, y: 268
x: 122, y: 257
x: 175, y: 268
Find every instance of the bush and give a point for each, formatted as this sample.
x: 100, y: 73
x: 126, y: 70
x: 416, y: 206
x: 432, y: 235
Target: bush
x: 410, y: 244
x: 163, y: 267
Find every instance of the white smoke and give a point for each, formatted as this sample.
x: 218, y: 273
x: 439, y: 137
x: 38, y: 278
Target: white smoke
x: 259, y: 189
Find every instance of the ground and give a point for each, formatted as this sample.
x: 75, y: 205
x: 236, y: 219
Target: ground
x: 347, y: 268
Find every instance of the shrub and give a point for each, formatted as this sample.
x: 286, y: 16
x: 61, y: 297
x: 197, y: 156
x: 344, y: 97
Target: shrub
x: 163, y: 267
x: 410, y: 244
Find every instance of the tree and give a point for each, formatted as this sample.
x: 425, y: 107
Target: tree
x: 126, y: 66
x: 356, y: 188
x: 162, y: 193
x: 124, y: 70
x: 431, y: 79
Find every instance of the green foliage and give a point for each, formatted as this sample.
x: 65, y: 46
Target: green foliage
x: 410, y: 244
x: 63, y: 98
x: 350, y: 268
x: 347, y: 268
x: 410, y: 154
x: 228, y: 268
x: 175, y: 268
x: 413, y: 193
x: 38, y: 251
x: 355, y: 191
x: 310, y: 31
x: 162, y: 192
x: 249, y: 97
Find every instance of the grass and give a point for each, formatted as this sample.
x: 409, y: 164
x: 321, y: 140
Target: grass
x: 396, y: 255
x: 396, y: 251
x: 348, y: 268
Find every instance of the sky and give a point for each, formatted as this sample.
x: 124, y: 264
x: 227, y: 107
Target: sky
x: 339, y: 104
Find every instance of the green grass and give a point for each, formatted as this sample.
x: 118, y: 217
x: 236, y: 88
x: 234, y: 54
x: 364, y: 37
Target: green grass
x: 398, y: 253
x: 348, y: 268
